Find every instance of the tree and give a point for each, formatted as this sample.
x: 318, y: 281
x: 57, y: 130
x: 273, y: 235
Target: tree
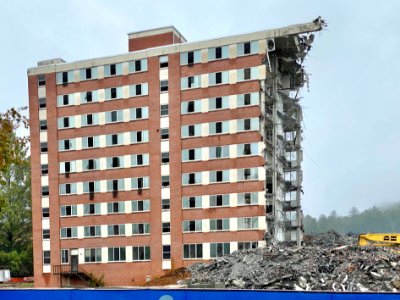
x: 15, y: 196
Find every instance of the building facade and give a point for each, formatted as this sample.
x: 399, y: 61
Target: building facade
x: 170, y: 154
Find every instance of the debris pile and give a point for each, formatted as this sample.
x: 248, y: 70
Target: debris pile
x: 332, y: 262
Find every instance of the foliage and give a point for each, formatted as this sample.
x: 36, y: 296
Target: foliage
x: 375, y: 219
x: 15, y: 197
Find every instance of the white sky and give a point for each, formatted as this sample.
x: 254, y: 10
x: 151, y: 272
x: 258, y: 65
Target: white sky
x: 351, y: 129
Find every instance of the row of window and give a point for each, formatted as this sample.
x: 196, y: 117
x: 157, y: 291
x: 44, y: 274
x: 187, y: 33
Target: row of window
x: 222, y: 77
x: 91, y: 164
x: 134, y: 66
x: 220, y: 200
x: 220, y: 127
x: 227, y: 175
x: 223, y: 151
x: 119, y: 207
x: 113, y: 93
x: 244, y: 223
x: 96, y: 230
x: 89, y: 142
x: 216, y: 103
x: 101, y: 186
x: 137, y: 113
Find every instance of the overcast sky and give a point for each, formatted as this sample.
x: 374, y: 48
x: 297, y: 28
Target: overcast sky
x: 351, y: 129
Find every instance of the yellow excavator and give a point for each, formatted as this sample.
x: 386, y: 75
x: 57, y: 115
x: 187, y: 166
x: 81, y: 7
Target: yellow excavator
x: 379, y: 239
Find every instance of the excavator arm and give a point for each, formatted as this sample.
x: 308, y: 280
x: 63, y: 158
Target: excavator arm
x: 379, y: 239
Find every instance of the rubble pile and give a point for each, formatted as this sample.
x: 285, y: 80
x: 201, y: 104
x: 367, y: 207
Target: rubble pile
x: 332, y: 262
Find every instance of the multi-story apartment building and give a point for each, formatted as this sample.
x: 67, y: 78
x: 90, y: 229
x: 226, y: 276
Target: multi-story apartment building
x: 170, y: 154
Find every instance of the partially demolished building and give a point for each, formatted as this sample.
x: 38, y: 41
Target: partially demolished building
x: 172, y: 153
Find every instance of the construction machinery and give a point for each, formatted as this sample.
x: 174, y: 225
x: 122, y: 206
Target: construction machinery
x: 379, y: 239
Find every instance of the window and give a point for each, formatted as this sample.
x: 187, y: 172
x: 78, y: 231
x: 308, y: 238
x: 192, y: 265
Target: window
x: 247, y: 48
x: 191, y: 130
x: 247, y: 74
x: 193, y: 106
x: 45, y: 212
x: 164, y: 110
x: 115, y: 162
x: 247, y: 198
x: 66, y: 122
x: 42, y: 103
x: 114, y: 116
x: 247, y: 124
x: 116, y: 254
x: 140, y: 205
x: 112, y: 70
x: 164, y: 157
x: 218, y: 103
x: 247, y: 174
x: 191, y: 154
x: 191, y: 178
x: 248, y: 223
x: 65, y: 256
x: 64, y: 145
x: 192, y: 251
x: 113, y: 93
x: 46, y: 234
x: 138, y: 65
x: 114, y: 139
x: 166, y: 251
x: 67, y: 188
x: 116, y: 207
x: 164, y: 61
x: 91, y: 186
x: 88, y: 73
x: 90, y: 142
x: 164, y: 133
x: 247, y: 245
x: 91, y: 209
x: 219, y: 152
x: 114, y: 230
x: 140, y: 253
x: 139, y: 160
x: 139, y: 136
x: 45, y: 190
x: 219, y: 200
x: 247, y: 149
x: 46, y: 257
x: 192, y: 226
x: 69, y: 232
x: 190, y: 82
x: 92, y: 255
x: 68, y: 210
x: 165, y: 204
x: 219, y: 176
x: 116, y: 185
x: 164, y: 86
x: 43, y: 147
x: 90, y: 119
x: 141, y: 228
x: 45, y: 169
x: 218, y: 78
x: 138, y: 89
x: 248, y: 99
x: 165, y: 181
x: 219, y: 224
x: 218, y: 127
x: 89, y: 97
x: 219, y: 249
x: 65, y: 77
x: 166, y: 227
x: 218, y: 53
x: 41, y: 80
x: 138, y: 113
x: 192, y: 202
x: 140, y: 183
x: 191, y: 57
x: 92, y: 231
x: 65, y: 100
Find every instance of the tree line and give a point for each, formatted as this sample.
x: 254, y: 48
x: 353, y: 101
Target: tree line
x: 375, y: 219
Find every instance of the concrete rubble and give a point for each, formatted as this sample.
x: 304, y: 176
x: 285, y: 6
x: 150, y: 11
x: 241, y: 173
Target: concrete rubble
x: 328, y: 262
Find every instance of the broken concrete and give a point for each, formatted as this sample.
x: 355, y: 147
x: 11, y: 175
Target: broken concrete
x: 330, y: 262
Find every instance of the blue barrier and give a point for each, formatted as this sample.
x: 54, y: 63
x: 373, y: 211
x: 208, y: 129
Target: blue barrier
x: 184, y: 294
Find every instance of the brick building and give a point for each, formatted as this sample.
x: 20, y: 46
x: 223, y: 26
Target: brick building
x: 170, y: 154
